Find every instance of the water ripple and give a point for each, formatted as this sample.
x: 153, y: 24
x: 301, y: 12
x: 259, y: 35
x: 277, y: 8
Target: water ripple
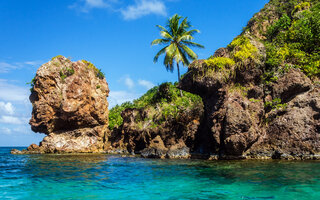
x: 114, y: 177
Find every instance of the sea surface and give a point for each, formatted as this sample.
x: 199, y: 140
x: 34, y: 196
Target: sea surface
x: 114, y: 177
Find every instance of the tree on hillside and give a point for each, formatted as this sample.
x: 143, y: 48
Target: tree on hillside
x: 177, y: 39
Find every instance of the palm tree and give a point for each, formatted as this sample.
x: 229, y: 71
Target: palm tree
x: 177, y: 39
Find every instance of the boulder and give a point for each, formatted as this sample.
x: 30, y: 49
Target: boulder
x: 70, y: 106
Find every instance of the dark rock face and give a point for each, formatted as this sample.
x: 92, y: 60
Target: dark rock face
x: 239, y: 125
x: 174, y: 138
x: 290, y: 85
x: 70, y: 106
x: 294, y: 133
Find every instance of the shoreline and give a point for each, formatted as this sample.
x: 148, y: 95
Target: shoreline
x: 193, y: 156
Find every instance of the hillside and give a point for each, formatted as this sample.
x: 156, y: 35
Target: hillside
x: 260, y: 95
x: 161, y: 123
x: 261, y: 92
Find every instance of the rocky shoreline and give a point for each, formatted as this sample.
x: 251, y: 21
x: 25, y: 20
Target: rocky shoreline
x: 260, y: 100
x: 230, y: 125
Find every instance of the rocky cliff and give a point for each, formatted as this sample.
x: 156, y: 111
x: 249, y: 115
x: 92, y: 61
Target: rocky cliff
x: 259, y: 99
x: 160, y: 124
x: 260, y: 96
x: 70, y: 106
x: 261, y: 93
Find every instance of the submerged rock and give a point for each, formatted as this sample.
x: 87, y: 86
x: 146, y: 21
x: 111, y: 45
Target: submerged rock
x: 70, y: 106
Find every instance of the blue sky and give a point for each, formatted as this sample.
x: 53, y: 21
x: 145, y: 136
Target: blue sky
x: 115, y: 35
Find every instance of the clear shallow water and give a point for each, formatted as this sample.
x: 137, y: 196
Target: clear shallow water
x: 113, y: 177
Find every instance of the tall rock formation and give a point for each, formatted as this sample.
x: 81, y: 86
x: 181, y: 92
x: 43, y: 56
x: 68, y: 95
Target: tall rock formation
x: 261, y: 92
x: 70, y: 106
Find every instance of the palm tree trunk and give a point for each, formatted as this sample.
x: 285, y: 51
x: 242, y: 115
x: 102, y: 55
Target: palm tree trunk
x: 179, y: 78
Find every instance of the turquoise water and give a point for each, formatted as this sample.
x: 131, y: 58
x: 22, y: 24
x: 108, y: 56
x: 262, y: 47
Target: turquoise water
x: 113, y: 177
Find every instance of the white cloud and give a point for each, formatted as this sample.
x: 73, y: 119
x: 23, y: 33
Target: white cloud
x: 6, y: 108
x: 129, y: 82
x: 10, y: 92
x: 119, y: 97
x: 25, y: 129
x: 133, y: 11
x: 86, y: 5
x: 32, y: 63
x: 144, y: 7
x: 6, y: 67
x: 12, y: 120
x: 96, y: 3
x: 5, y: 130
x: 146, y: 84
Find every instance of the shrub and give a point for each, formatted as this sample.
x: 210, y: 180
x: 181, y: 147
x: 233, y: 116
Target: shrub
x: 164, y: 100
x: 97, y: 71
x: 282, y: 24
x: 242, y: 49
x: 220, y: 62
x: 300, y: 7
x: 58, y: 56
x: 32, y: 83
x: 66, y: 72
x: 275, y: 104
x: 166, y: 92
x: 115, y: 119
x: 295, y: 41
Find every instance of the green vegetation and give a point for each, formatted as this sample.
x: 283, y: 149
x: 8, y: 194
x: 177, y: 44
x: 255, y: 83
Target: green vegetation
x: 242, y: 49
x: 162, y: 103
x: 97, y: 71
x: 32, y: 83
x: 239, y: 89
x: 294, y: 40
x: 66, y: 72
x: 58, y: 56
x: 177, y: 39
x: 242, y: 52
x: 275, y: 104
x: 219, y: 63
x: 255, y: 100
x: 269, y: 77
x: 300, y: 7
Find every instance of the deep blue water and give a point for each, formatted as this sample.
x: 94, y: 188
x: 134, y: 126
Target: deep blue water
x: 113, y: 177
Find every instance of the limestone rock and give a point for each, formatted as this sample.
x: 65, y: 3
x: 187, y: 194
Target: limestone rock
x: 70, y: 106
x: 85, y: 140
x: 68, y: 95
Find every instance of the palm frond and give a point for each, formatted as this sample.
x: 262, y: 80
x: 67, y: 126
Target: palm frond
x: 162, y: 51
x: 183, y: 26
x: 189, y: 52
x: 160, y: 41
x: 173, y: 24
x: 168, y: 63
x: 185, y: 37
x: 192, y: 32
x: 166, y: 35
x: 192, y: 44
x: 183, y: 56
x: 161, y: 28
x: 171, y: 49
